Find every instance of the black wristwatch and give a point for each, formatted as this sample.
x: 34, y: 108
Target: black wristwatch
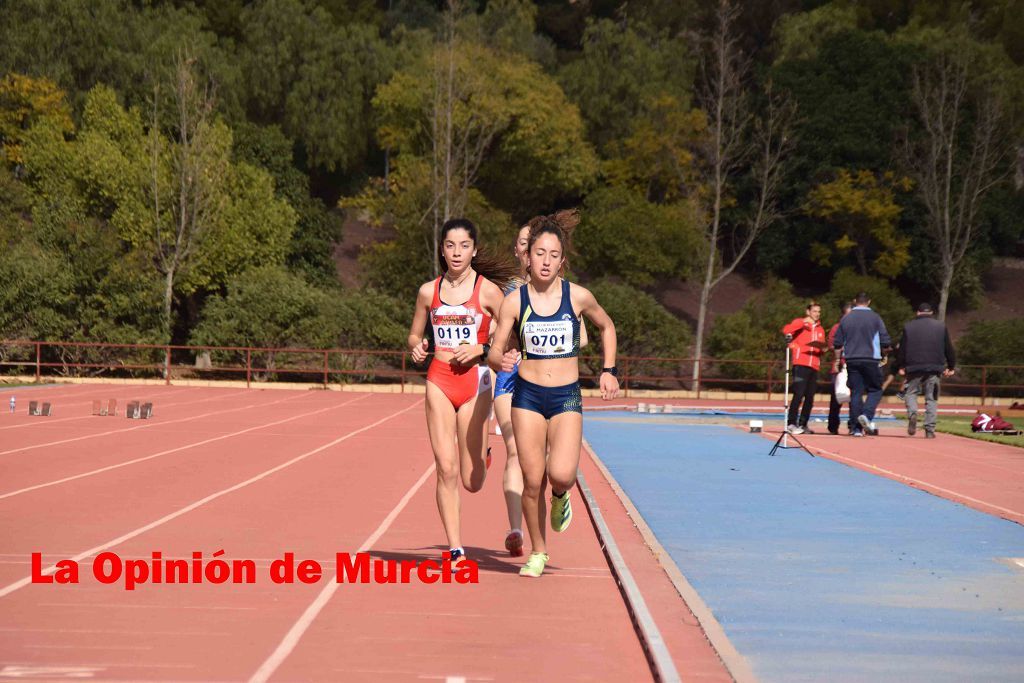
x: 487, y: 350
x: 613, y: 371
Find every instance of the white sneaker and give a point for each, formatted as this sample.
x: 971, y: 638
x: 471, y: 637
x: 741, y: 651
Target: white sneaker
x: 868, y: 425
x: 795, y: 429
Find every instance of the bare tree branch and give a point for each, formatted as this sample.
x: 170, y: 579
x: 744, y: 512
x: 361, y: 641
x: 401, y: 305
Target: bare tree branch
x: 738, y: 140
x: 956, y: 158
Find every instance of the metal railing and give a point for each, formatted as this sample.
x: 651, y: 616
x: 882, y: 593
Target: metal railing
x: 326, y: 366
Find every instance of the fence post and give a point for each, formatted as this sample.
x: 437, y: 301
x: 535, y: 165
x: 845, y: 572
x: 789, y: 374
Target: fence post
x: 403, y: 372
x: 248, y: 367
x: 984, y: 383
x: 768, y: 380
x: 39, y: 356
x: 625, y: 368
x: 167, y: 366
x: 700, y: 374
x: 325, y: 369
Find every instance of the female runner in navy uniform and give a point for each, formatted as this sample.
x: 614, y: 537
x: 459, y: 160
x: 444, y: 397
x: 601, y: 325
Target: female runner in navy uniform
x: 458, y: 389
x: 547, y: 408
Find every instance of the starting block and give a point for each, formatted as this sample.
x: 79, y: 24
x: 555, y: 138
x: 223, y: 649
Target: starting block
x: 34, y: 408
x: 105, y: 409
x: 139, y: 411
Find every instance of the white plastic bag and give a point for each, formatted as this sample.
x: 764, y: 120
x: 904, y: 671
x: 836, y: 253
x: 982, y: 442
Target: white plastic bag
x: 842, y: 389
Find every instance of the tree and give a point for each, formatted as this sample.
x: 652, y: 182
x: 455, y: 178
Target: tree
x: 474, y: 125
x: 624, y: 66
x: 864, y: 210
x: 957, y: 156
x: 735, y: 138
x: 644, y: 328
x: 852, y: 97
x: 753, y: 333
x: 800, y: 36
x: 144, y: 187
x: 193, y: 169
x: 81, y: 43
x: 266, y: 307
x: 23, y: 101
x: 995, y: 342
x: 623, y: 235
x: 886, y: 300
x: 317, y: 229
x: 314, y: 78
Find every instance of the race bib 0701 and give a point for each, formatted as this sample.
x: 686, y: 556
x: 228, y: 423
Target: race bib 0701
x: 549, y: 338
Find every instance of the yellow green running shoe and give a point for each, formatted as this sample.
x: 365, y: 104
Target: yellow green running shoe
x: 534, y: 566
x: 561, y: 512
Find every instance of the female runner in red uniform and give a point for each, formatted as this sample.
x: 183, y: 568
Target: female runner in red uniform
x: 459, y: 306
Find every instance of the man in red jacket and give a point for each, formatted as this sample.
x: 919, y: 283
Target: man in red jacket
x: 806, y: 338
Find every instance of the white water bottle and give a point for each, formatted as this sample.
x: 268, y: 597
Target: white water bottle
x: 12, y: 404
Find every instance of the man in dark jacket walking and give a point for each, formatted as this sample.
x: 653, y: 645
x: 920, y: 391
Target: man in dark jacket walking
x: 926, y: 355
x: 862, y: 338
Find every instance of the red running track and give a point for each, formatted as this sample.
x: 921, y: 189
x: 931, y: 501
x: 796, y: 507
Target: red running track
x: 260, y: 473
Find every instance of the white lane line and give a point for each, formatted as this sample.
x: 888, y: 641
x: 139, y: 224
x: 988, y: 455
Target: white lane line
x: 10, y: 588
x: 295, y: 633
x: 173, y: 450
x: 137, y: 427
x: 86, y: 417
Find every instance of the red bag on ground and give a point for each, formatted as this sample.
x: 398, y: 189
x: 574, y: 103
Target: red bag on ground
x: 987, y: 423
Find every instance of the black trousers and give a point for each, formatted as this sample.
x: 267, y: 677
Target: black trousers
x: 834, y: 406
x: 805, y: 383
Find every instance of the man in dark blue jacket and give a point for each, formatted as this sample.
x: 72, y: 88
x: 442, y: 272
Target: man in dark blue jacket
x: 926, y: 354
x: 862, y: 338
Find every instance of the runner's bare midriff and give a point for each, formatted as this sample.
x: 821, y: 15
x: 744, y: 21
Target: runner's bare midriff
x: 554, y: 372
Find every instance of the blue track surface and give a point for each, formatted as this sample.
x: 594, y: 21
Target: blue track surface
x: 818, y: 571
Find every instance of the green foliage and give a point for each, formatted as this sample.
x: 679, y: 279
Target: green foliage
x: 406, y: 261
x: 369, y: 319
x: 801, y: 35
x: 660, y: 158
x: 23, y: 101
x: 886, y: 301
x: 508, y: 26
x: 530, y: 137
x: 316, y: 229
x: 107, y: 172
x: 623, y: 235
x: 269, y: 307
x: 313, y: 77
x: 992, y: 343
x: 643, y: 328
x: 623, y: 67
x: 852, y: 99
x: 35, y: 293
x: 755, y: 332
x: 80, y: 43
x: 864, y: 211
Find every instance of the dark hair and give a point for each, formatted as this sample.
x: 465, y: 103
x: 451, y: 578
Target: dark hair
x: 862, y: 299
x: 846, y: 307
x: 560, y: 224
x: 925, y: 307
x: 812, y: 303
x: 498, y: 270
